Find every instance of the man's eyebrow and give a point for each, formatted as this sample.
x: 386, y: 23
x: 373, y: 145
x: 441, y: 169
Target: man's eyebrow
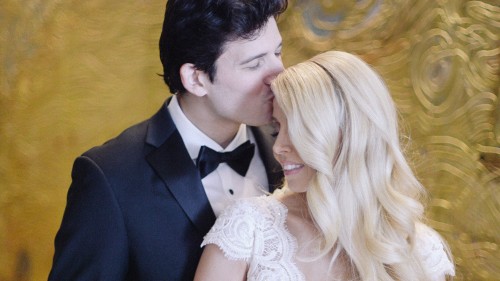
x: 258, y: 56
x: 252, y: 58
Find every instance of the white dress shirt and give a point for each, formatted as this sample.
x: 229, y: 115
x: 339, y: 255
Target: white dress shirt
x: 223, y: 185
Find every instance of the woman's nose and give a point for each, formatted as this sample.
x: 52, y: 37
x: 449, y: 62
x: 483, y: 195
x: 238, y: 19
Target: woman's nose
x: 280, y: 146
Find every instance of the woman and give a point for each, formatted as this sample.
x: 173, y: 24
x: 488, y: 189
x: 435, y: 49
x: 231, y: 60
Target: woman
x: 350, y: 206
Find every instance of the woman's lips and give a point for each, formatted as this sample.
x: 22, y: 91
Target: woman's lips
x: 291, y: 169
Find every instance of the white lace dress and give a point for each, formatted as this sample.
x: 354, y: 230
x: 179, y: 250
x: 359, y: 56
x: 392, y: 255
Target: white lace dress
x: 254, y: 230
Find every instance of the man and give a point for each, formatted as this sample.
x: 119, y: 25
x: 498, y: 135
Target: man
x: 140, y: 204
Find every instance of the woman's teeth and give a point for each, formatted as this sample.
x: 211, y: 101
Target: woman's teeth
x: 290, y: 167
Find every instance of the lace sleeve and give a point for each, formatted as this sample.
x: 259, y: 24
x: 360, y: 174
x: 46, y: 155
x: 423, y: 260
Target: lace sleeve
x: 431, y: 249
x: 233, y: 231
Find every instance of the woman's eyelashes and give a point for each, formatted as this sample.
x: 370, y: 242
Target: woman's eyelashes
x: 276, y: 128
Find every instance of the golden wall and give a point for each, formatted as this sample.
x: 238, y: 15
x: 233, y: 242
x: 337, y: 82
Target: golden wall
x: 75, y: 73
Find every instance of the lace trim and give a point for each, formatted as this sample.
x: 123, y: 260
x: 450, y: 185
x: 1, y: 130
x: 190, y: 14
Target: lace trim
x: 429, y: 247
x: 254, y: 230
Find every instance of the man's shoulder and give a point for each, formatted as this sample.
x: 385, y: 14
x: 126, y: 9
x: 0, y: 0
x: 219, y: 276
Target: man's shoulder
x: 137, y: 139
x: 127, y: 141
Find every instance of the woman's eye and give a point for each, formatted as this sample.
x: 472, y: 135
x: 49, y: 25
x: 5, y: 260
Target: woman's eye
x: 276, y: 128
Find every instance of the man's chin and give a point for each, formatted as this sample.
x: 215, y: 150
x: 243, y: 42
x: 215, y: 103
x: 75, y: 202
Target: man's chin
x: 263, y: 121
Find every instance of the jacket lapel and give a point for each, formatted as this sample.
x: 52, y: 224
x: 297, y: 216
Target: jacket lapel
x: 172, y: 163
x: 174, y: 166
x: 265, y: 143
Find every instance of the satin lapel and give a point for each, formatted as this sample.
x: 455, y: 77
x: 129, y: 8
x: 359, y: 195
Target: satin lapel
x: 172, y: 163
x: 265, y: 143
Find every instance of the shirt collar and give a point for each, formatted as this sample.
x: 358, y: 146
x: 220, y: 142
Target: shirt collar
x: 194, y: 138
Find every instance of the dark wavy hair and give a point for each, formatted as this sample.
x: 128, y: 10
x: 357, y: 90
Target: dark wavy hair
x: 195, y: 31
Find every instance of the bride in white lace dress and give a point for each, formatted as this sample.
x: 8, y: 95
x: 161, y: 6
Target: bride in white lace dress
x: 350, y: 206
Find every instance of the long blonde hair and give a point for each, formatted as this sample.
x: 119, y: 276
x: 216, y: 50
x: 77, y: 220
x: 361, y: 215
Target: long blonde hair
x: 364, y: 199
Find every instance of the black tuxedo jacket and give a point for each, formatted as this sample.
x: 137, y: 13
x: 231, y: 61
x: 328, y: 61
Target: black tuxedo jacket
x: 136, y: 208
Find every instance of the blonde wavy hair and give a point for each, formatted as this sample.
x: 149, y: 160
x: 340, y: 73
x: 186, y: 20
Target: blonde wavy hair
x: 364, y: 199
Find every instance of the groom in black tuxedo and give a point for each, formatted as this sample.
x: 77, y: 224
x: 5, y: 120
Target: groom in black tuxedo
x: 140, y: 204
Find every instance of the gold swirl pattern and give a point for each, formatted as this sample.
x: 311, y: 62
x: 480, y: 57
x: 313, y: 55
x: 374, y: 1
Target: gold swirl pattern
x: 441, y: 62
x: 75, y: 73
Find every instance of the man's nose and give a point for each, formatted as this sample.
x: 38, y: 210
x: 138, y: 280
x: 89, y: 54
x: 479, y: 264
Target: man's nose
x: 275, y: 69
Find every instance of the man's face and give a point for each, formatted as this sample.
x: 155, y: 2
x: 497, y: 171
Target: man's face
x: 240, y: 92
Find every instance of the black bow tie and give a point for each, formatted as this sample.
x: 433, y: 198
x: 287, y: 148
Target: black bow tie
x: 238, y: 159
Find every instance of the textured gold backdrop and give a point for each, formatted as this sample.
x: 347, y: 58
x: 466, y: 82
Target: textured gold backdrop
x: 75, y: 73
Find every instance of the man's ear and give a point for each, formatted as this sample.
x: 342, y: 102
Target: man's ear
x: 193, y: 80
